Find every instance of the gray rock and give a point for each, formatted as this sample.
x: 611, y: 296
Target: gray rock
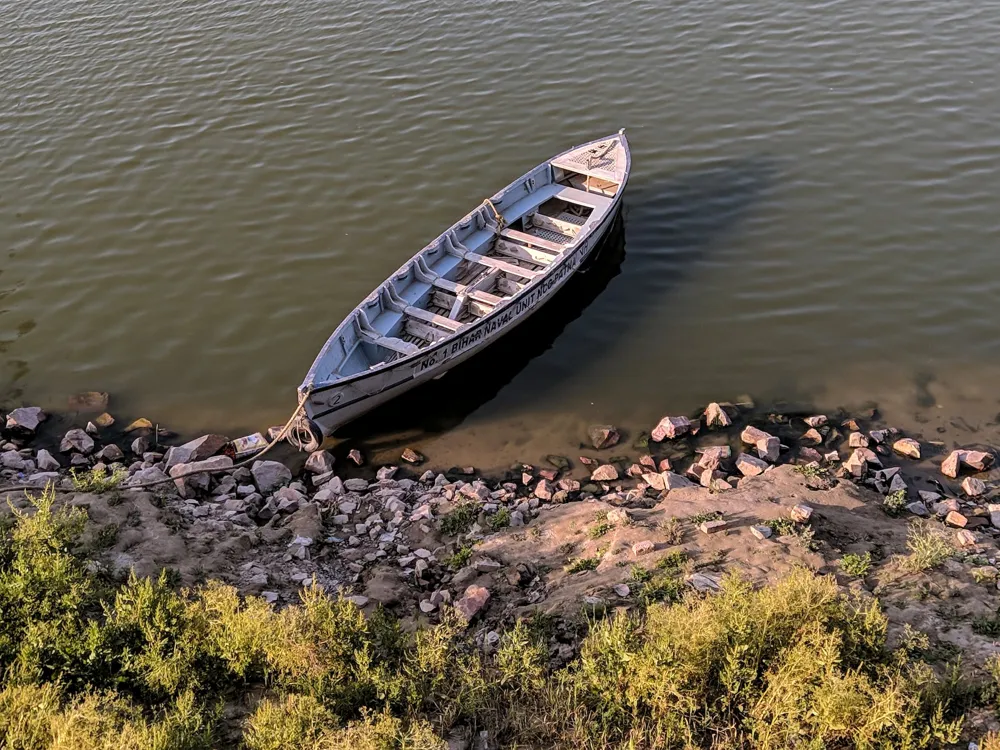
x: 205, y: 447
x: 140, y: 445
x: 319, y: 462
x: 151, y: 474
x: 46, y: 461
x: 110, y: 453
x: 761, y: 531
x: 25, y: 419
x: 356, y: 485
x: 177, y: 455
x: 77, y: 440
x: 918, y: 508
x: 12, y: 460
x: 673, y: 481
x: 269, y: 475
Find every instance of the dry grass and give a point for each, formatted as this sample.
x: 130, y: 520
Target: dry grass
x: 928, y: 546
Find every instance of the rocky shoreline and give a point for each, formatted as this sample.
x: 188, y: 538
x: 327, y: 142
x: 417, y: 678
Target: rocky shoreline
x: 726, y: 490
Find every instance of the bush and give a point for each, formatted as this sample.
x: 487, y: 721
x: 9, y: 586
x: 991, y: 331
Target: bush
x: 928, y: 548
x: 856, y: 565
x: 97, y: 479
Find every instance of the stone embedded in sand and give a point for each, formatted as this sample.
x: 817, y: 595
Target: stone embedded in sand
x: 928, y: 496
x: 816, y: 421
x: 412, y: 457
x: 750, y: 466
x: 714, y: 455
x: 603, y: 436
x: 673, y: 481
x: 715, y: 416
x: 857, y: 440
x: 769, y: 448
x: 710, y: 527
x: 907, y: 447
x: 25, y: 419
x: 587, y: 461
x: 605, y: 473
x: 965, y: 538
x: 89, y: 401
x: 619, y: 517
x: 655, y: 481
x: 918, y: 508
x: 761, y: 532
x: 46, y: 461
x: 559, y: 462
x: 355, y: 456
x: 812, y: 437
x: 472, y: 601
x: 140, y: 424
x: 951, y: 465
x: 544, y: 490
x: 978, y: 460
x: 77, y: 440
x: 704, y: 583
x: 801, y: 513
x: 670, y: 428
x: 643, y: 548
x: 269, y: 475
x: 973, y: 487
x: 621, y: 590
x: 954, y: 518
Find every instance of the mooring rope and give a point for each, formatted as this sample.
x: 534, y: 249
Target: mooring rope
x: 501, y: 222
x: 142, y: 485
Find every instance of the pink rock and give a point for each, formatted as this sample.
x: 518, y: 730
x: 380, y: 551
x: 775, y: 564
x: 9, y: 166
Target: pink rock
x: 973, y: 487
x: 605, y: 473
x: 769, y: 448
x: 750, y: 466
x: 648, y: 461
x: 710, y: 527
x: 669, y: 428
x: 907, y: 447
x: 810, y: 454
x: 751, y: 435
x: 978, y: 460
x: 965, y: 538
x: 817, y: 421
x: 664, y: 465
x: 812, y: 436
x: 643, y: 548
x: 544, y: 490
x: 713, y: 456
x: 801, y: 513
x: 857, y: 440
x: 655, y: 481
x: 954, y: 518
x: 472, y: 601
x: 951, y: 465
x: 603, y: 436
x: 715, y: 416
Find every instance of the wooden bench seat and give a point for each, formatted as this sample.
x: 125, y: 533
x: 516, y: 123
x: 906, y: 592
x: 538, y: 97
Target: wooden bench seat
x: 529, y: 239
x: 510, y: 268
x: 433, y: 318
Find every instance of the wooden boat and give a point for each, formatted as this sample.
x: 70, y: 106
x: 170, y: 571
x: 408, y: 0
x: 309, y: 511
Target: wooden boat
x: 475, y: 282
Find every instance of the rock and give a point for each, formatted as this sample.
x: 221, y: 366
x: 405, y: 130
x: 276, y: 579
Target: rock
x: 412, y: 457
x: 77, y: 440
x: 811, y: 455
x: 965, y: 538
x: 978, y: 460
x: 710, y: 527
x: 897, y: 484
x: 25, y: 419
x: 751, y: 435
x: 868, y: 457
x: 385, y: 473
x: 91, y: 428
x: 269, y: 475
x: 356, y: 485
x: 713, y: 456
x: 472, y: 601
x: 426, y: 606
x: 907, y: 447
x: 319, y: 462
x: 812, y: 437
x: 831, y: 457
x: 954, y: 518
x: 816, y: 421
x: 918, y: 508
x: 177, y: 455
x: 669, y: 428
x: 715, y: 416
x: 603, y: 436
x: 104, y: 420
x: 143, y: 476
x: 88, y: 401
x: 951, y: 465
x: 750, y: 466
x: 559, y: 462
x: 704, y: 583
x: 857, y: 440
x: 973, y: 487
x: 357, y: 600
x: 205, y: 446
x: 760, y: 531
x: 994, y: 511
x: 643, y: 548
x: 486, y: 565
x: 111, y: 453
x: 673, y: 481
x: 801, y: 513
x: 306, y: 522
x: 355, y: 456
x: 544, y: 490
x: 140, y: 424
x: 621, y: 590
x: 929, y: 497
x: 945, y: 506
x: 140, y: 445
x: 655, y: 481
x: 604, y: 473
x: 46, y: 461
x: 212, y: 465
x: 664, y: 465
x: 12, y: 460
x: 619, y: 517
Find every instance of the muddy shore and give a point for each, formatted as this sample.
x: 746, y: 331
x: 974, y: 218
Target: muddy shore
x: 624, y: 520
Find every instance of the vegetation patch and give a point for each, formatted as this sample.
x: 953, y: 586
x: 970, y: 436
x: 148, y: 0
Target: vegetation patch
x: 698, y: 518
x: 928, y: 548
x: 600, y: 529
x: 856, y: 565
x: 499, y: 520
x: 97, y: 479
x: 460, y: 519
x: 583, y: 563
x: 895, y: 502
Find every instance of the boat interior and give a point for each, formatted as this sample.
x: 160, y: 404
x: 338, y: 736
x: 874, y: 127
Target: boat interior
x: 480, y: 263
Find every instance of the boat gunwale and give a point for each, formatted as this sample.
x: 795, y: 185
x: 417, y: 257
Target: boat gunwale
x: 309, y: 385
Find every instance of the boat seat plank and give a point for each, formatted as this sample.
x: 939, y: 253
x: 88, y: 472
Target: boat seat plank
x: 529, y: 254
x: 428, y: 317
x: 530, y: 239
x: 489, y: 299
x: 555, y: 225
x: 449, y: 286
x: 392, y: 343
x: 592, y: 200
x: 510, y: 268
x: 424, y: 331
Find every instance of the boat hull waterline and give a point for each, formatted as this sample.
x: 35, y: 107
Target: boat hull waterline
x: 537, y: 269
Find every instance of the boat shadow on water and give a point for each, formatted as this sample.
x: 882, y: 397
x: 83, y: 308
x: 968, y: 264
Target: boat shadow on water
x: 669, y: 225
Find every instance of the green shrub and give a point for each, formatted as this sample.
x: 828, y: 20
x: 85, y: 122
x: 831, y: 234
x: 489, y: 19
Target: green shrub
x: 928, y: 548
x: 459, y: 520
x: 499, y: 520
x: 895, y: 502
x: 600, y: 529
x: 582, y: 563
x: 97, y: 479
x: 856, y: 565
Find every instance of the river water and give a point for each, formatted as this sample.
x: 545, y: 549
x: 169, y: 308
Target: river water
x: 194, y: 193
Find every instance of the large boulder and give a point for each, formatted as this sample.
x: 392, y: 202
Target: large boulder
x: 603, y: 436
x: 25, y: 419
x: 669, y: 428
x: 205, y: 446
x: 177, y: 455
x: 269, y: 475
